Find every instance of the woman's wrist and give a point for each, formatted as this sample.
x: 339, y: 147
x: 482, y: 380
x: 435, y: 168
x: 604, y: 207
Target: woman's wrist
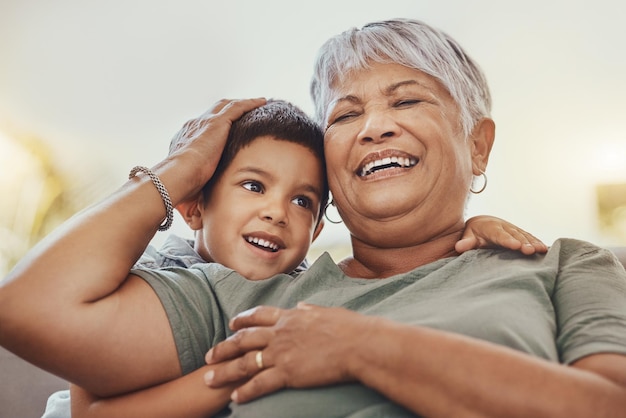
x: 369, y: 349
x: 184, y: 176
x: 167, y: 202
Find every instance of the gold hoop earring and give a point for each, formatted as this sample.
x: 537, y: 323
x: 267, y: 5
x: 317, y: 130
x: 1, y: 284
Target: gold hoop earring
x: 326, y: 214
x: 484, y: 176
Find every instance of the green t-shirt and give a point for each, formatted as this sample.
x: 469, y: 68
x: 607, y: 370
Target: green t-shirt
x: 560, y: 306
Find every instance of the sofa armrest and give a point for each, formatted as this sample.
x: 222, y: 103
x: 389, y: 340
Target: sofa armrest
x: 24, y: 388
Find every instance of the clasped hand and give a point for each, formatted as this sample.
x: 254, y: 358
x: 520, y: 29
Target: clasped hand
x: 303, y: 347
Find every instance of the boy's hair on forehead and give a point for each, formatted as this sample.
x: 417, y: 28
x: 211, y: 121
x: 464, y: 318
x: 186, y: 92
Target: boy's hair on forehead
x: 284, y: 122
x: 279, y: 119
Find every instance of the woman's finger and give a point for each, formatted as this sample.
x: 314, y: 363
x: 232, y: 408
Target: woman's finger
x: 236, y: 108
x: 233, y: 105
x: 238, y: 369
x: 260, y: 316
x: 216, y: 108
x: 238, y: 344
x: 226, y: 109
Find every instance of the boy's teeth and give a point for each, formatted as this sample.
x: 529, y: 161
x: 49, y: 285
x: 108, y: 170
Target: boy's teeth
x: 263, y: 243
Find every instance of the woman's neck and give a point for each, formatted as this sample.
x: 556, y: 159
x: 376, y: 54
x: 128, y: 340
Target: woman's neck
x: 371, y: 262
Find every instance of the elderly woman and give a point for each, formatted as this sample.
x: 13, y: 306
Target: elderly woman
x: 485, y: 333
x: 409, y: 327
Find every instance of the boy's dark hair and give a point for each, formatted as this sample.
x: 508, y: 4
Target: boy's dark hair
x: 284, y: 122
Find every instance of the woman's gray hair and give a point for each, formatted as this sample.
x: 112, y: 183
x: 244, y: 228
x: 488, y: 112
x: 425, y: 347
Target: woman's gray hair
x: 413, y: 44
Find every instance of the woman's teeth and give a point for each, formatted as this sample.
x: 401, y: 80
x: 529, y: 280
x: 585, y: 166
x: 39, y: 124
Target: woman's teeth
x: 387, y: 162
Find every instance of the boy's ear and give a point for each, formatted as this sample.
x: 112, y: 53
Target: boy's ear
x: 318, y: 229
x: 190, y: 211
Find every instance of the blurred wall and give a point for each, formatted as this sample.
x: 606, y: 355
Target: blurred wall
x: 105, y: 85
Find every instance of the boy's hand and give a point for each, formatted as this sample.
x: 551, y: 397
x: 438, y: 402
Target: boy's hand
x: 489, y: 232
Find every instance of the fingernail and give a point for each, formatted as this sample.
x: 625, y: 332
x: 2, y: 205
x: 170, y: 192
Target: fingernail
x: 208, y: 377
x: 209, y: 356
x: 234, y: 396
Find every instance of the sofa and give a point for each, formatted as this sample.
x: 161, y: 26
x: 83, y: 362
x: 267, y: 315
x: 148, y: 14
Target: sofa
x: 24, y: 388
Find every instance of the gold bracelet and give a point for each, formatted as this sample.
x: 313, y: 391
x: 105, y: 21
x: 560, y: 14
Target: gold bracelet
x: 169, y: 207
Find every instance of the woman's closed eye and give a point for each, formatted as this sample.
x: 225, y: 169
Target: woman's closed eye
x: 343, y: 118
x: 407, y: 103
x: 253, y: 186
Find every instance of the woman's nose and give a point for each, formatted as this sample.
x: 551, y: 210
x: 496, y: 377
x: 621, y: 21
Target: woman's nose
x: 378, y: 126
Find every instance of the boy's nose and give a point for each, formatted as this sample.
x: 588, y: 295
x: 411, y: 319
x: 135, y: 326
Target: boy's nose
x: 274, y: 212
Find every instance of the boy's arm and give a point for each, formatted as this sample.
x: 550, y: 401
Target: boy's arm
x: 185, y: 397
x: 488, y: 231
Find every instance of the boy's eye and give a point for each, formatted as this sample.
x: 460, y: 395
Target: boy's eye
x: 253, y: 186
x: 305, y: 202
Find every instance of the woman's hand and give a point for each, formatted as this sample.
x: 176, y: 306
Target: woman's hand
x: 489, y: 232
x: 200, y: 142
x: 428, y: 371
x: 304, y: 347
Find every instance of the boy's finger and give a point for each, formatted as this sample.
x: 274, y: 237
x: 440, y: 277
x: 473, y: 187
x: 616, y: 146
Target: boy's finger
x: 268, y: 381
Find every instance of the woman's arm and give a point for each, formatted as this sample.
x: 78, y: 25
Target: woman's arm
x: 443, y: 374
x: 70, y: 307
x: 185, y: 397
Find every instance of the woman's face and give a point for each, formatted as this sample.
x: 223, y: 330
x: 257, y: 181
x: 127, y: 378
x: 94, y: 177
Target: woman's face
x: 395, y: 151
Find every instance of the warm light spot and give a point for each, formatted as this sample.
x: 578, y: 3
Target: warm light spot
x: 16, y: 164
x: 610, y: 160
x: 612, y: 209
x: 14, y: 160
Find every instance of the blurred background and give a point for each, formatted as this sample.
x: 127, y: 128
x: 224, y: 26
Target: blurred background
x: 90, y: 89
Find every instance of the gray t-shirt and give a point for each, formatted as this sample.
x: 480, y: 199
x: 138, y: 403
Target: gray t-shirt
x: 560, y: 306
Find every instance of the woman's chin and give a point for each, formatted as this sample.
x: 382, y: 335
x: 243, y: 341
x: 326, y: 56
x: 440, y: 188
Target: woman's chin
x: 386, y: 206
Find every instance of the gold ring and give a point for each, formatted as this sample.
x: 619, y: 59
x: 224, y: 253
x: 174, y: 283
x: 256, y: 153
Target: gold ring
x: 259, y: 359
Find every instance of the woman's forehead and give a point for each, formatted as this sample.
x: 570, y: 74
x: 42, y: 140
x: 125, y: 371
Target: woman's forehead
x: 382, y: 71
x: 386, y: 79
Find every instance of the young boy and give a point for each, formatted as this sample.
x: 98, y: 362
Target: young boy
x: 257, y: 215
x: 263, y: 206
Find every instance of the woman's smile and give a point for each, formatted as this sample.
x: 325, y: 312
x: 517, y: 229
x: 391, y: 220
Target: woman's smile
x: 385, y: 163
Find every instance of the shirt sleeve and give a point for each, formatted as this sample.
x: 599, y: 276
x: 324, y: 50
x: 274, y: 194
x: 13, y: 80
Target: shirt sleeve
x: 192, y: 310
x: 590, y: 301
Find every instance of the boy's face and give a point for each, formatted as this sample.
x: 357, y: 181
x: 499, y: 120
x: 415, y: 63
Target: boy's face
x: 262, y: 213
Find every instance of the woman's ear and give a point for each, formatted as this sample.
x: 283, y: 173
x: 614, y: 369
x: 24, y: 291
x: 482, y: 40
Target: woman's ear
x: 191, y: 213
x: 482, y: 138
